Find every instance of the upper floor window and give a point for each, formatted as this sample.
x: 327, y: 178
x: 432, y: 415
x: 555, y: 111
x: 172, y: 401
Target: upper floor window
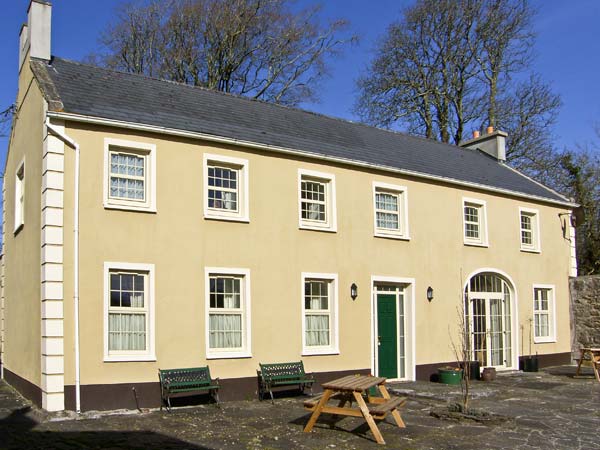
x: 129, y: 312
x: 316, y: 199
x: 228, y: 313
x: 543, y: 313
x: 529, y: 226
x: 391, y: 212
x: 226, y: 188
x: 474, y: 222
x: 130, y: 175
x: 20, y: 196
x: 319, y: 308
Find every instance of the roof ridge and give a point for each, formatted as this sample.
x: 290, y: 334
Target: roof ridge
x: 270, y: 104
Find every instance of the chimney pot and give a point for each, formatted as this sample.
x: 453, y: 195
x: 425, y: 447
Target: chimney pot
x: 475, y: 134
x: 489, y: 130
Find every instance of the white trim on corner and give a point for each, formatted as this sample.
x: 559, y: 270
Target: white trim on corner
x: 246, y: 351
x: 274, y: 148
x: 150, y: 176
x: 551, y: 310
x: 334, y: 348
x: 410, y: 315
x: 483, y: 241
x: 403, y: 233
x: 150, y: 354
x: 330, y: 197
x: 243, y: 167
x: 19, y: 222
x: 537, y: 239
x: 514, y: 307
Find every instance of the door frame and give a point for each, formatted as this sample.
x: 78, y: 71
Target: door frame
x: 409, y: 317
x: 514, y: 311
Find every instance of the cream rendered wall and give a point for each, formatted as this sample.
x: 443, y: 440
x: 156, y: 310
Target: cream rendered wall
x: 22, y: 252
x: 181, y: 243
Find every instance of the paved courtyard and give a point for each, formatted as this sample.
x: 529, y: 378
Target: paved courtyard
x: 546, y: 410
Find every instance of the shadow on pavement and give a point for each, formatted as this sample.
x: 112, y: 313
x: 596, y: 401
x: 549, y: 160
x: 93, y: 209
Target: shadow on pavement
x: 17, y: 431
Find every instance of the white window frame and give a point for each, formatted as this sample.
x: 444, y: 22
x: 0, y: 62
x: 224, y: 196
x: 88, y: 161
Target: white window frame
x: 148, y: 151
x: 535, y: 246
x: 330, y: 224
x: 245, y: 351
x: 482, y: 240
x: 333, y: 347
x: 551, y: 313
x: 402, y: 192
x: 19, y: 209
x: 243, y: 192
x: 131, y: 356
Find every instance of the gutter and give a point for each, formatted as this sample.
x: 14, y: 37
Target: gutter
x: 63, y: 137
x: 257, y: 146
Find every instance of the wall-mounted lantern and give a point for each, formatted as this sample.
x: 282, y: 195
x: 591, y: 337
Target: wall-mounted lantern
x: 354, y: 291
x: 429, y: 293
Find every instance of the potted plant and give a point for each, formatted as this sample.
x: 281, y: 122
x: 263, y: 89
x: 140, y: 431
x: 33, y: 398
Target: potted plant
x: 450, y: 375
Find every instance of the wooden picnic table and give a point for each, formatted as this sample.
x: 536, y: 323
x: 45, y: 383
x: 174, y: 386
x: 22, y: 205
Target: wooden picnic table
x: 589, y: 354
x: 354, y: 388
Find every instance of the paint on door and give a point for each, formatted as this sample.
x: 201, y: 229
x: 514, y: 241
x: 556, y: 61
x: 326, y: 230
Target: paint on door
x: 387, y: 336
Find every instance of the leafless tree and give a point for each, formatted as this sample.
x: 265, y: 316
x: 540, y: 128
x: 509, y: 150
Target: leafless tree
x: 448, y: 66
x: 263, y: 49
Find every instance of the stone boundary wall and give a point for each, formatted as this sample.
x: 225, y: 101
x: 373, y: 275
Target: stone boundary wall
x: 585, y: 312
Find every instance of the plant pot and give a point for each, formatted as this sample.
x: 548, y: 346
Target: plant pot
x: 488, y: 374
x: 474, y: 370
x: 529, y: 364
x: 450, y: 376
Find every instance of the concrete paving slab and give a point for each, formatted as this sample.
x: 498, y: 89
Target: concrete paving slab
x: 545, y: 410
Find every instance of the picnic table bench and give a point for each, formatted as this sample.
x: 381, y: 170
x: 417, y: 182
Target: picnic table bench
x: 186, y: 381
x: 355, y: 388
x: 282, y: 374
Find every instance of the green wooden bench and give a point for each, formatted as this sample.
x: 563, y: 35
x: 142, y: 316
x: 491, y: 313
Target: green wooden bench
x: 282, y: 374
x: 186, y: 381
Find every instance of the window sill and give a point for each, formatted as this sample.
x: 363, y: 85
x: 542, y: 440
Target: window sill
x: 318, y: 228
x: 232, y: 355
x: 130, y: 358
x: 399, y: 237
x: 323, y: 352
x: 550, y: 340
x: 242, y: 219
x: 476, y: 244
x: 531, y: 250
x: 130, y: 208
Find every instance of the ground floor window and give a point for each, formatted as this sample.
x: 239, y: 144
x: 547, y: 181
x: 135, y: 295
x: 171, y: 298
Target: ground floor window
x: 228, y: 295
x: 319, y: 306
x: 543, y: 313
x: 129, y: 321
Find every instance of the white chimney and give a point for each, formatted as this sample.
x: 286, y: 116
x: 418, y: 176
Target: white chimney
x: 493, y: 143
x: 35, y: 35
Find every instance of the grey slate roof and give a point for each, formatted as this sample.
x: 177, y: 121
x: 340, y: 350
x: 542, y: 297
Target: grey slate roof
x: 87, y: 90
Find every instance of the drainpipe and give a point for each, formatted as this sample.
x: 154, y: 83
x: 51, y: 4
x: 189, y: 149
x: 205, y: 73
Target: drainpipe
x: 63, y: 137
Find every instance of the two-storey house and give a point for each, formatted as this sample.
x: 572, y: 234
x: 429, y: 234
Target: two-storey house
x: 149, y: 224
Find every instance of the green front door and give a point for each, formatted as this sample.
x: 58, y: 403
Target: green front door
x: 387, y: 336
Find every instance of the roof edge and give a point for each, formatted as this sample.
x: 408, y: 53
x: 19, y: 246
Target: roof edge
x: 39, y: 69
x: 260, y: 146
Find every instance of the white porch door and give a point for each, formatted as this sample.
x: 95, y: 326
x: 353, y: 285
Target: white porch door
x: 488, y: 302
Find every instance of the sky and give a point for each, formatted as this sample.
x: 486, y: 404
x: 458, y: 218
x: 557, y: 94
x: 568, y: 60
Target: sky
x: 567, y: 52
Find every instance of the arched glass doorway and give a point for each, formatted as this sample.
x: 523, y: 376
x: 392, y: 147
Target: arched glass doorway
x: 488, y: 306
